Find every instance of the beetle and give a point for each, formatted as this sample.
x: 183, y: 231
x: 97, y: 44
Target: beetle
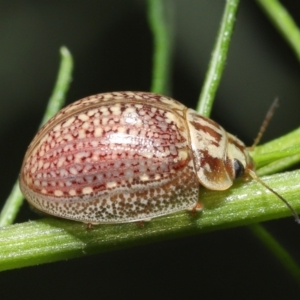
x: 124, y: 157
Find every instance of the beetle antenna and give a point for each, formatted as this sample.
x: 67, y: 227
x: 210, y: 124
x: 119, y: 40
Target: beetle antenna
x: 255, y: 177
x: 265, y: 123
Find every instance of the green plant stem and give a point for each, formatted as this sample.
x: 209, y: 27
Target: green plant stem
x: 218, y: 59
x: 279, y: 165
x: 49, y: 240
x: 288, y: 144
x: 277, y: 250
x: 279, y: 154
x: 284, y: 23
x: 11, y: 206
x: 160, y: 13
x: 62, y: 85
x: 15, y: 199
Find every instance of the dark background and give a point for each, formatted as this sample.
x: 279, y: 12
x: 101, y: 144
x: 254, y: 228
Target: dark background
x: 112, y: 48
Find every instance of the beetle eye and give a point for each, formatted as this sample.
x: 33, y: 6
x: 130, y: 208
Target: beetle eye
x: 238, y: 168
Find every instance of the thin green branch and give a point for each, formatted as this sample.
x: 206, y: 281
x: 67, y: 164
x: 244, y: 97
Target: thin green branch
x: 277, y: 250
x: 284, y: 22
x: 266, y: 158
x: 279, y: 154
x: 279, y: 165
x: 62, y: 85
x: 286, y: 141
x: 11, y: 206
x: 160, y: 18
x: 15, y: 199
x: 218, y: 59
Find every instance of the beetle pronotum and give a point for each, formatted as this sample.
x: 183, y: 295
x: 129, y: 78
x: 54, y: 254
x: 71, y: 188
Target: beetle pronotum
x: 129, y: 156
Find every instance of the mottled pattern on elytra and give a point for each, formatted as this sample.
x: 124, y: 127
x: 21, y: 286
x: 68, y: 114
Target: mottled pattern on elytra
x: 127, y: 203
x: 114, y: 157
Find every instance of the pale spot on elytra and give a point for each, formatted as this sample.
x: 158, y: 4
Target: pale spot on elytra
x: 58, y: 193
x: 87, y: 190
x: 144, y: 177
x: 98, y: 132
x: 72, y: 192
x: 83, y: 117
x: 111, y: 184
x: 69, y: 122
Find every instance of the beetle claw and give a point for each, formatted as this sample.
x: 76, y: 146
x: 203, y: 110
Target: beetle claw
x: 196, y: 208
x: 89, y: 226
